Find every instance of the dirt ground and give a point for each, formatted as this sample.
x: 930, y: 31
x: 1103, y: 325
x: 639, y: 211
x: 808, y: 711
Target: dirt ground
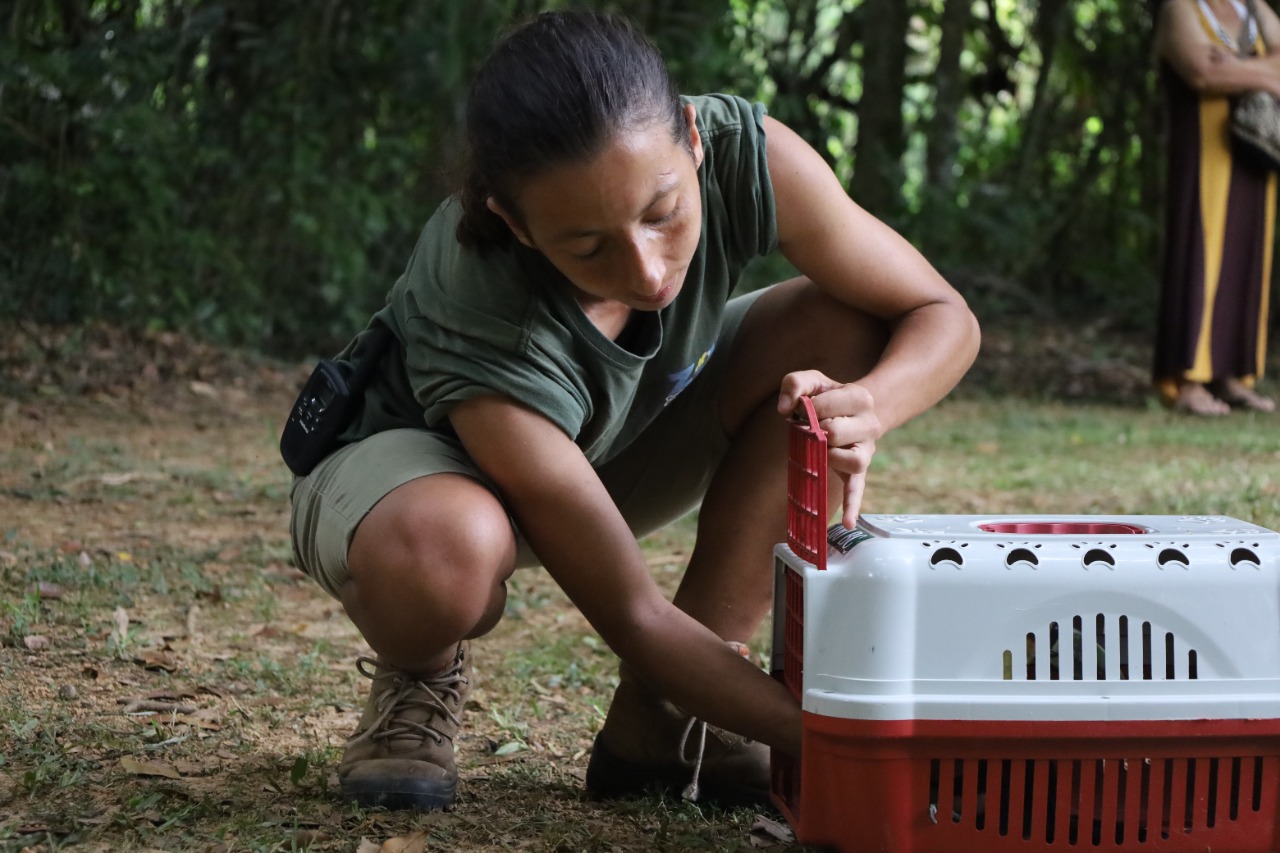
x: 169, y: 681
x: 172, y: 682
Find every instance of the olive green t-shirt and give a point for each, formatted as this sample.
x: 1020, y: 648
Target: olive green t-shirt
x: 504, y: 320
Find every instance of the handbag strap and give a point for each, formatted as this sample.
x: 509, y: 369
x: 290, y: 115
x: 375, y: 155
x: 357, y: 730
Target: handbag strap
x: 1247, y: 12
x: 1251, y: 22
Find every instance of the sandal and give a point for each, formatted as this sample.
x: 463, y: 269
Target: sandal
x: 1195, y: 399
x: 1238, y: 395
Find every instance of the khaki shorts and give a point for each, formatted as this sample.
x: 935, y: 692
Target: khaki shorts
x: 659, y: 478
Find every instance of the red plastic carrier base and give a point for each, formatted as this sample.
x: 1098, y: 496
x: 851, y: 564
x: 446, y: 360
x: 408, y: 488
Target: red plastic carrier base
x: 916, y: 786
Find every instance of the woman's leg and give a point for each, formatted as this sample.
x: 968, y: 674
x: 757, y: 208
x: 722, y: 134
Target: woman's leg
x: 647, y: 742
x: 793, y: 326
x: 427, y: 569
x: 403, y: 531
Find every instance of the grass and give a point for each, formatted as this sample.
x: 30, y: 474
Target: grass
x: 168, y: 681
x: 1015, y: 455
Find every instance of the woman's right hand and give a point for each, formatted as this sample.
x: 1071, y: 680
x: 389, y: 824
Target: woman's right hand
x: 847, y: 413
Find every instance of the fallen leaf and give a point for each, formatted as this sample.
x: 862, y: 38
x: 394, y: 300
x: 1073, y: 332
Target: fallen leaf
x: 150, y: 706
x: 198, y: 722
x: 414, y: 843
x: 50, y: 590
x: 214, y: 595
x: 192, y: 768
x: 121, y: 632
x: 158, y: 659
x: 367, y: 846
x: 148, y: 768
x: 121, y: 478
x: 307, y: 837
x: 767, y: 833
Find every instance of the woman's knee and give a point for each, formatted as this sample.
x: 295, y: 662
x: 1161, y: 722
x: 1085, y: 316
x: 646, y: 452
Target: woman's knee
x: 794, y: 326
x: 439, y: 550
x: 814, y: 330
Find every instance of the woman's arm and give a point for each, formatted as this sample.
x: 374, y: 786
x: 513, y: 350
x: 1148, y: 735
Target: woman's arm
x: 862, y: 262
x: 1206, y: 65
x: 570, y: 521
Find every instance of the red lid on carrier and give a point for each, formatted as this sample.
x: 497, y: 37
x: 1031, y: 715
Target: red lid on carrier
x: 807, y: 487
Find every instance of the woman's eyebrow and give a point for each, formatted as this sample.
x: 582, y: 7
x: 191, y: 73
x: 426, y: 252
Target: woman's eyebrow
x: 662, y: 192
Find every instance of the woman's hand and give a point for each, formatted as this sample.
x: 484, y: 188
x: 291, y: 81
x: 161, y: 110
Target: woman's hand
x: 573, y: 525
x: 847, y: 414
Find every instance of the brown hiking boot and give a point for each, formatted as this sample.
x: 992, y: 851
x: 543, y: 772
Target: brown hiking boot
x: 649, y: 745
x: 401, y: 756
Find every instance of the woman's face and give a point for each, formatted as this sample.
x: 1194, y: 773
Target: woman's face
x: 624, y: 226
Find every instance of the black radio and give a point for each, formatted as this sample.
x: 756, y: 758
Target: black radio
x: 327, y: 404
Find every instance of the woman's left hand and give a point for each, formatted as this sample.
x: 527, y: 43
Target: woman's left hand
x: 847, y: 414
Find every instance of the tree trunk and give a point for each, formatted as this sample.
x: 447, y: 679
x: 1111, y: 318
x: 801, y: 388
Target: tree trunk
x: 877, y: 175
x: 942, y: 142
x: 1050, y: 24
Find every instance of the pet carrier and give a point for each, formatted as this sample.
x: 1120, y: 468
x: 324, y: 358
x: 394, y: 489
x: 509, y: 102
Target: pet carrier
x: 1026, y: 682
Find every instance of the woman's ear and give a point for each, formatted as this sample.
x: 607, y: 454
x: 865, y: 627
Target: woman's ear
x: 695, y: 138
x: 514, y: 224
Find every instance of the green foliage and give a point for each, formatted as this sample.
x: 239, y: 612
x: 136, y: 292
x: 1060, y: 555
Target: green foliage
x: 247, y: 171
x: 1015, y: 455
x: 1053, y: 181
x: 257, y: 173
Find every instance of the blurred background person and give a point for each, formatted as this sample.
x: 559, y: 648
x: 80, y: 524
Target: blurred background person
x: 1210, y: 344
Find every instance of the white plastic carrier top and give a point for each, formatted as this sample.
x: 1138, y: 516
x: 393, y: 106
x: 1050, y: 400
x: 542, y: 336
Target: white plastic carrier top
x: 1036, y: 617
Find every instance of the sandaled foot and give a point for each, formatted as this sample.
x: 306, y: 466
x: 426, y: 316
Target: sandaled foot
x: 1195, y: 399
x: 1238, y: 395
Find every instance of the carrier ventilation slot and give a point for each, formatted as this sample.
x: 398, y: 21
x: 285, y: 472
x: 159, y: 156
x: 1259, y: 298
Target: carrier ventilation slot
x: 1176, y: 557
x: 1101, y: 649
x: 1099, y: 802
x: 793, y: 654
x: 1247, y: 558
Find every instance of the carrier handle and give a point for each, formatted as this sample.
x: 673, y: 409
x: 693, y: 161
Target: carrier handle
x: 807, y: 486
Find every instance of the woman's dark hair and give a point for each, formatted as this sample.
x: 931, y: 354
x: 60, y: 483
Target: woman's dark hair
x: 555, y: 91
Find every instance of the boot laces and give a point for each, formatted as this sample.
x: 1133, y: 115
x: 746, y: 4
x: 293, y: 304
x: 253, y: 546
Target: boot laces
x: 699, y: 729
x: 691, y: 791
x: 409, y: 703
